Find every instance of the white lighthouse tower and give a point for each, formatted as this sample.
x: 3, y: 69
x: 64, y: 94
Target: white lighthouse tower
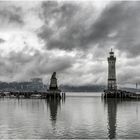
x: 111, y: 72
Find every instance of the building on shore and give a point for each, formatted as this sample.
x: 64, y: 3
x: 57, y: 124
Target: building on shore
x: 35, y: 84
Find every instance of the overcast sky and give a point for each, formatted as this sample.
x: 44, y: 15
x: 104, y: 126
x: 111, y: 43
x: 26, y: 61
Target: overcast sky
x: 71, y: 38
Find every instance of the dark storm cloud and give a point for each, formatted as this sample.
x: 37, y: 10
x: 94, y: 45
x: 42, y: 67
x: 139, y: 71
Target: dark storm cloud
x: 75, y: 40
x: 121, y: 18
x: 2, y: 40
x: 21, y: 57
x: 45, y: 65
x: 64, y: 24
x: 74, y: 25
x: 10, y: 14
x: 111, y: 19
x: 22, y: 66
x: 118, y: 25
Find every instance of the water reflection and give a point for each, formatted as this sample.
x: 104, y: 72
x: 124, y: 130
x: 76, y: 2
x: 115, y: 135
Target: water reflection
x: 53, y: 105
x: 76, y: 117
x: 112, y: 115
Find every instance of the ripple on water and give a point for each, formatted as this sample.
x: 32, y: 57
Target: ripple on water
x: 76, y: 117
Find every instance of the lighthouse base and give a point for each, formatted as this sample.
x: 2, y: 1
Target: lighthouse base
x: 120, y: 94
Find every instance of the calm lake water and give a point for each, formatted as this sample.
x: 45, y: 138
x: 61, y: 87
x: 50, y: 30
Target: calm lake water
x: 75, y: 117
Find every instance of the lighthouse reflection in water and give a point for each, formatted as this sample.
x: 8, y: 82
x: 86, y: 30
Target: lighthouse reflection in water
x: 74, y: 117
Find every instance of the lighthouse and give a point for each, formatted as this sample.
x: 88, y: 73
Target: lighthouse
x: 112, y: 72
x: 112, y: 91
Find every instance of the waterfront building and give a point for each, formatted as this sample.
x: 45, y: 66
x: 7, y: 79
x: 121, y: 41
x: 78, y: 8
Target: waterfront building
x: 36, y: 84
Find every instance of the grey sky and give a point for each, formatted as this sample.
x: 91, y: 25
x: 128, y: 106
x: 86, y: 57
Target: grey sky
x: 72, y: 38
